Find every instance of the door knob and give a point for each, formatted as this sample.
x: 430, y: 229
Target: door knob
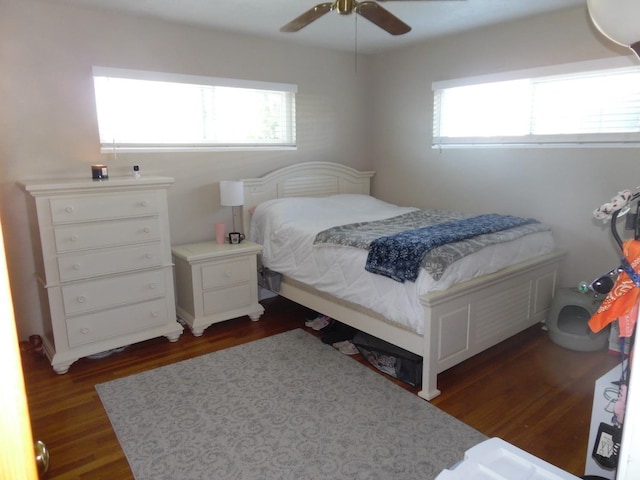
x: 42, y: 457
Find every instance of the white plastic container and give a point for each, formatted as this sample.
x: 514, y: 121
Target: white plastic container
x: 495, y: 459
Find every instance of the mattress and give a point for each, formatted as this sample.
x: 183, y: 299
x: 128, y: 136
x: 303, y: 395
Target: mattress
x: 287, y: 228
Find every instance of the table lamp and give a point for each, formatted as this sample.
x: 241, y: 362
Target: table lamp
x: 232, y: 195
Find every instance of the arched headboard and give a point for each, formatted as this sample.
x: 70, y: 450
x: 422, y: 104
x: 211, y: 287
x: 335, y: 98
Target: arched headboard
x: 311, y: 179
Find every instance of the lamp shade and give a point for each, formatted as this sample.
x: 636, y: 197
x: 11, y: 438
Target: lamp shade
x: 618, y: 21
x: 231, y: 193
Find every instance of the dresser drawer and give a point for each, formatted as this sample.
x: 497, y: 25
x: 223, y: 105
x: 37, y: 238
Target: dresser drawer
x: 102, y: 207
x: 83, y: 236
x: 229, y: 272
x: 113, y: 291
x: 116, y: 322
x: 227, y: 299
x: 115, y: 260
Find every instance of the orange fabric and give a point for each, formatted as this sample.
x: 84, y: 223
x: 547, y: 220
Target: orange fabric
x: 627, y: 321
x: 621, y: 300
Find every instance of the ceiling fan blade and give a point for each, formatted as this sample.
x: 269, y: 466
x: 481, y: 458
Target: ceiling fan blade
x: 382, y: 18
x: 307, y: 17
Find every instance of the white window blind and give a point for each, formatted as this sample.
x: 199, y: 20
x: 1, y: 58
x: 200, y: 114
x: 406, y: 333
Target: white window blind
x: 153, y: 111
x: 596, y: 107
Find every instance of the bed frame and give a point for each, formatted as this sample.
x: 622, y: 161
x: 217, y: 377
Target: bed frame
x: 459, y: 322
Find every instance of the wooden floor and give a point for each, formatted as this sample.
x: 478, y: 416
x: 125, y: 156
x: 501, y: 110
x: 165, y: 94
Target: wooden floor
x: 526, y: 390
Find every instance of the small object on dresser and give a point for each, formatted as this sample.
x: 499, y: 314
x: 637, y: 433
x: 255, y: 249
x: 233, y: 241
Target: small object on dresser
x: 99, y: 172
x: 235, y: 238
x: 220, y: 231
x: 136, y: 171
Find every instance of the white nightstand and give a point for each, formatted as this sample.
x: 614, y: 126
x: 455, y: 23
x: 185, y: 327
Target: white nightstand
x: 216, y: 282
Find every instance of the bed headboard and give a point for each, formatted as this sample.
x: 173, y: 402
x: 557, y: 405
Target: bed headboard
x: 311, y: 179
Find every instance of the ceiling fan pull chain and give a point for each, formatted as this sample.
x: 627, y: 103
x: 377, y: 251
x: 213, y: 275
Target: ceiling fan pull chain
x: 355, y: 47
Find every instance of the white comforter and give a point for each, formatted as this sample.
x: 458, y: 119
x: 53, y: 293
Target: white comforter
x: 287, y: 227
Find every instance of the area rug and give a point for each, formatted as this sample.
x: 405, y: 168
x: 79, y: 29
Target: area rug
x: 283, y: 407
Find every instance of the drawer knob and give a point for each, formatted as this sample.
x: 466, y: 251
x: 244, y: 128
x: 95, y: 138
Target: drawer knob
x: 76, y: 266
x: 155, y: 314
x: 149, y: 256
x: 81, y: 299
x: 153, y: 286
x: 69, y: 209
x: 84, y: 330
x: 144, y: 203
x: 147, y: 230
x: 73, y: 238
x: 228, y: 274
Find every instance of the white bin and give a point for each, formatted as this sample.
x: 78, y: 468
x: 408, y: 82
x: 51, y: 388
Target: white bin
x: 495, y: 459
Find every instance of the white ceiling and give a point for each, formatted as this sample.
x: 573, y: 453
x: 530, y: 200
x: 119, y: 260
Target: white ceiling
x: 428, y: 19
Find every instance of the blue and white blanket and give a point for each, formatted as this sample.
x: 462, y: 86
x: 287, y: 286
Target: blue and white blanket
x: 432, y: 239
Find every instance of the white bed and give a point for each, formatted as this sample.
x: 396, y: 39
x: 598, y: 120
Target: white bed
x: 444, y: 321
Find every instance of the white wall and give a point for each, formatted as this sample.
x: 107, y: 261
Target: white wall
x: 48, y: 127
x: 558, y: 186
x: 48, y: 122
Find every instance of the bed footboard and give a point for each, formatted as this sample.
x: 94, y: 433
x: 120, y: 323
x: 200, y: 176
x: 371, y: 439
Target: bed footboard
x: 470, y: 317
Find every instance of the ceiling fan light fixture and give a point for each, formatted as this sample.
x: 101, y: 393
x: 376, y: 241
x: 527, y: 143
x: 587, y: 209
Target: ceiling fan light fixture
x: 344, y: 7
x: 618, y: 21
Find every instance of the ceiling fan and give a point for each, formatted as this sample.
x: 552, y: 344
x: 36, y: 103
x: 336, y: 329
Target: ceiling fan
x: 369, y: 9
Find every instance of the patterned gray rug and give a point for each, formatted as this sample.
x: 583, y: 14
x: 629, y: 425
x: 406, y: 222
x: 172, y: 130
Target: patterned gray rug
x: 283, y: 407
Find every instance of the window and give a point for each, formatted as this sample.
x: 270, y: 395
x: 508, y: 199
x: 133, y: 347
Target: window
x: 592, y: 106
x: 141, y: 111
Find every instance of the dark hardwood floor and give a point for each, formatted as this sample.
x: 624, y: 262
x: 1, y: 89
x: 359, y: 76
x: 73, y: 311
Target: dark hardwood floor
x: 526, y: 390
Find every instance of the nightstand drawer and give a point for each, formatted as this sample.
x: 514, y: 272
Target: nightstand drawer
x: 113, y: 291
x: 225, y: 273
x: 103, y: 262
x: 81, y: 237
x: 116, y: 322
x: 103, y: 207
x: 227, y: 299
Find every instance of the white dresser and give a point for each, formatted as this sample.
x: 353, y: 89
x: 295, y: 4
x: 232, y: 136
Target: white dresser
x: 103, y: 260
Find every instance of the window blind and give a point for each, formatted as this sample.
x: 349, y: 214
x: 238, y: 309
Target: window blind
x: 597, y: 107
x: 147, y: 110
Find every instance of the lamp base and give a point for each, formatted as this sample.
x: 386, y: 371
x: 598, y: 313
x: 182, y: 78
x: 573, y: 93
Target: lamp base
x: 233, y: 218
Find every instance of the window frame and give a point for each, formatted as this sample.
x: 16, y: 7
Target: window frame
x: 602, y: 140
x: 115, y: 146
